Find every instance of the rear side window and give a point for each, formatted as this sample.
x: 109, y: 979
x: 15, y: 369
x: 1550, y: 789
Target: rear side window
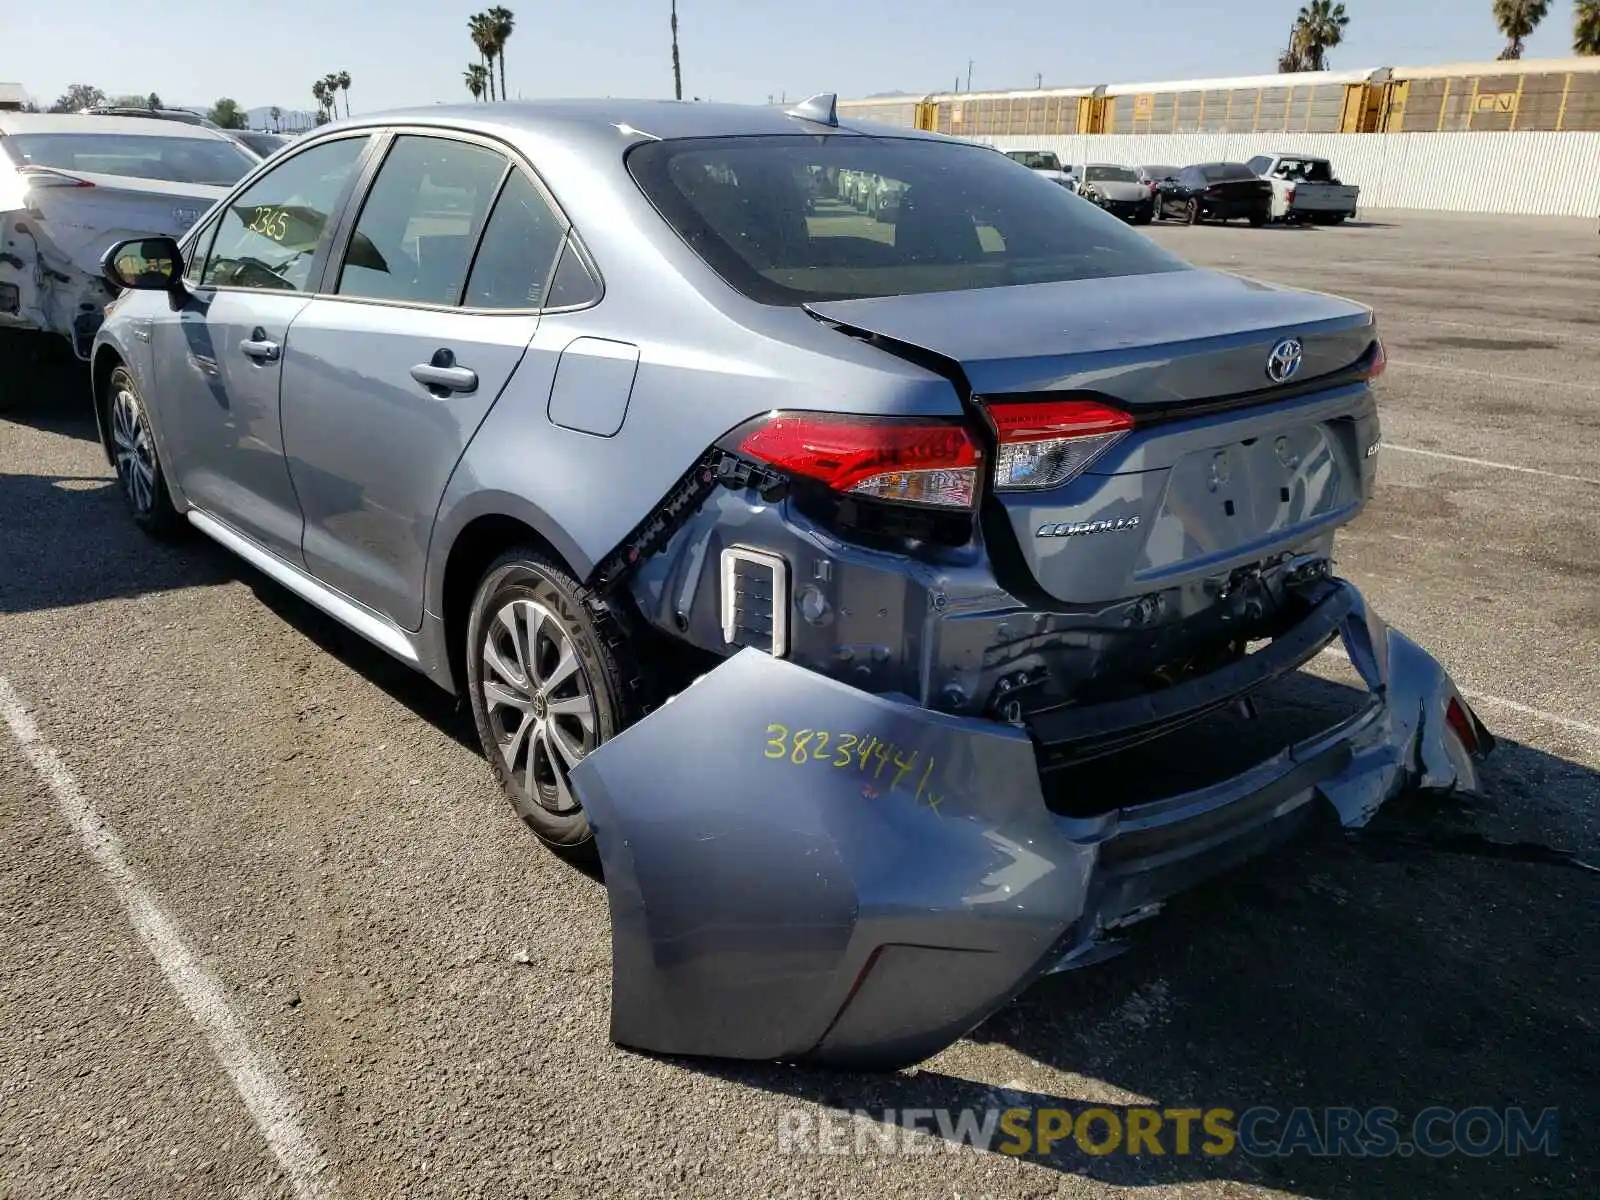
x: 792, y: 219
x: 1222, y: 172
x: 414, y: 238
x: 267, y: 239
x: 518, y: 250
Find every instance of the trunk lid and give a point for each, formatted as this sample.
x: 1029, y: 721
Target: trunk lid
x: 82, y: 223
x: 1222, y: 468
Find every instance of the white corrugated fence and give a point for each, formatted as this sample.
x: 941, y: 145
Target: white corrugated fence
x: 1529, y: 174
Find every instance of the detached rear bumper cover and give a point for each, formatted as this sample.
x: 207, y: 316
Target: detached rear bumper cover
x: 781, y: 889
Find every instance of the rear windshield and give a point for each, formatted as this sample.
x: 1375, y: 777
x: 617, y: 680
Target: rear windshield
x: 1109, y: 175
x: 1311, y: 170
x: 1159, y: 172
x: 1217, y: 172
x: 795, y: 219
x: 179, y: 159
x: 1035, y: 160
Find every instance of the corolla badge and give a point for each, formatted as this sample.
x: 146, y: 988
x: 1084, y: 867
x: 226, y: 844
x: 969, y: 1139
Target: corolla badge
x: 1082, y: 528
x: 1283, y: 364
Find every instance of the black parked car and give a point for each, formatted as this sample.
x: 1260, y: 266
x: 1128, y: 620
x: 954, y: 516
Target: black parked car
x: 1215, y: 192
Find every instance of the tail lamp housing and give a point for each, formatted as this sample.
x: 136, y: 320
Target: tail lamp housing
x: 1042, y: 444
x: 923, y: 462
x: 1375, y: 361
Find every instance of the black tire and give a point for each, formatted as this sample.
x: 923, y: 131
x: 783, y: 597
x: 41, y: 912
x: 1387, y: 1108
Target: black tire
x: 1191, y: 213
x: 1142, y: 218
x: 140, y: 476
x: 530, y: 584
x: 1257, y: 220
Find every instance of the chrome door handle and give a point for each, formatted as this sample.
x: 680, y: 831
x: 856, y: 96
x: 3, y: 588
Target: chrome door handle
x: 259, y: 347
x: 441, y: 376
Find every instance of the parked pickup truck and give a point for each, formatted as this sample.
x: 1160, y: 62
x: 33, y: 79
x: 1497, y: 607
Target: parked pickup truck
x: 1304, y: 188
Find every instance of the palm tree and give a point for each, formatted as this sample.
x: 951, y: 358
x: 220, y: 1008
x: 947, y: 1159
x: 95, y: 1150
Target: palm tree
x: 677, y: 72
x: 330, y: 88
x: 503, y: 22
x: 1320, y: 25
x: 1586, y: 28
x: 476, y: 77
x: 276, y: 114
x: 1517, y: 19
x: 1292, y: 57
x: 343, y: 80
x: 482, y: 32
x: 319, y: 89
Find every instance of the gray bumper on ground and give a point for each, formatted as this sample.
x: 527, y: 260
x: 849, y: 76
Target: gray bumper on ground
x: 798, y: 870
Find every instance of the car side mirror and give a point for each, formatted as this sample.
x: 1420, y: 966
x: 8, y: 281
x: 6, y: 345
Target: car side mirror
x: 148, y: 264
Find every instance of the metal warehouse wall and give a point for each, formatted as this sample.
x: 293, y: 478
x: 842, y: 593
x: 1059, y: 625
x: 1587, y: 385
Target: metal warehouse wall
x: 1532, y: 174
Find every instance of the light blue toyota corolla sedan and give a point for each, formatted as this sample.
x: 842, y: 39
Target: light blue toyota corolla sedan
x: 831, y: 569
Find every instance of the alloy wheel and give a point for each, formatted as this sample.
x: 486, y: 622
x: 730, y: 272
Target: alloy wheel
x: 539, y: 701
x: 135, y: 454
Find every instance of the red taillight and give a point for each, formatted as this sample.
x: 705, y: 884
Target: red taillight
x: 1377, y: 362
x: 1042, y: 444
x: 48, y: 177
x: 907, y: 460
x: 1462, y: 725
x: 1288, y: 195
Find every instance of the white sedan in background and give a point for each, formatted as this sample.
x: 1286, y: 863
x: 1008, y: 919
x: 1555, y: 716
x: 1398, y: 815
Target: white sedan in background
x: 74, y: 185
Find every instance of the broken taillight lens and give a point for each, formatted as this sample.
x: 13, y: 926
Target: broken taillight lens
x: 48, y: 177
x: 1376, y: 361
x: 1462, y: 725
x: 1042, y: 444
x: 903, y: 460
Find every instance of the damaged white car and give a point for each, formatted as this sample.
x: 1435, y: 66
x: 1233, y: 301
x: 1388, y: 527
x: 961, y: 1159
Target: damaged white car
x: 71, y: 187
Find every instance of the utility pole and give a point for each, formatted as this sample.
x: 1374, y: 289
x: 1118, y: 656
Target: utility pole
x: 1038, y: 80
x: 677, y: 71
x: 969, y: 74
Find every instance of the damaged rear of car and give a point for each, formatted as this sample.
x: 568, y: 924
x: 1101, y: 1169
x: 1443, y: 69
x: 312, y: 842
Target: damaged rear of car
x: 72, y: 186
x: 1123, y: 526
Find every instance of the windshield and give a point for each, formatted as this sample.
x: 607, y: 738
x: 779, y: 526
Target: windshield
x: 1109, y: 175
x: 180, y: 159
x: 796, y: 219
x: 1216, y: 172
x: 1037, y: 160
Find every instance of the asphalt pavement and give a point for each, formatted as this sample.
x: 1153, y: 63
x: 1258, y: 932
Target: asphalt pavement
x: 268, y: 929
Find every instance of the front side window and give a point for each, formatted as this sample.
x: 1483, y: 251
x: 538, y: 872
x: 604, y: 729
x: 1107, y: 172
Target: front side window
x: 213, y: 162
x: 269, y: 234
x: 413, y: 241
x: 792, y: 219
x: 1036, y: 160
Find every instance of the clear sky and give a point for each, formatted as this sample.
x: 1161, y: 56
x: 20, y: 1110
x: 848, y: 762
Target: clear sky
x: 402, y: 52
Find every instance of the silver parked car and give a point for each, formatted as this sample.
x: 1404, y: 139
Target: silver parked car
x: 833, y: 578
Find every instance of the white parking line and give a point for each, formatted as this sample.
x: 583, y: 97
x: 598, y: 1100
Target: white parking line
x: 1494, y: 375
x: 1501, y: 702
x: 258, y: 1080
x: 1484, y: 462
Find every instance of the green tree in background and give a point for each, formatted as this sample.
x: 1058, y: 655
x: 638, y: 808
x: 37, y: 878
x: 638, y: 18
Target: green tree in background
x: 476, y: 77
x: 343, y: 80
x: 228, y: 114
x: 503, y: 22
x: 1586, y: 28
x: 481, y: 30
x: 78, y: 96
x: 1319, y: 27
x: 1517, y: 19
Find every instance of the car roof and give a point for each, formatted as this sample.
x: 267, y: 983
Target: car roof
x: 11, y: 122
x: 609, y: 124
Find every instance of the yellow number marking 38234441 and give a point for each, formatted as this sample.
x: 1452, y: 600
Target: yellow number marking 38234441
x: 869, y: 756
